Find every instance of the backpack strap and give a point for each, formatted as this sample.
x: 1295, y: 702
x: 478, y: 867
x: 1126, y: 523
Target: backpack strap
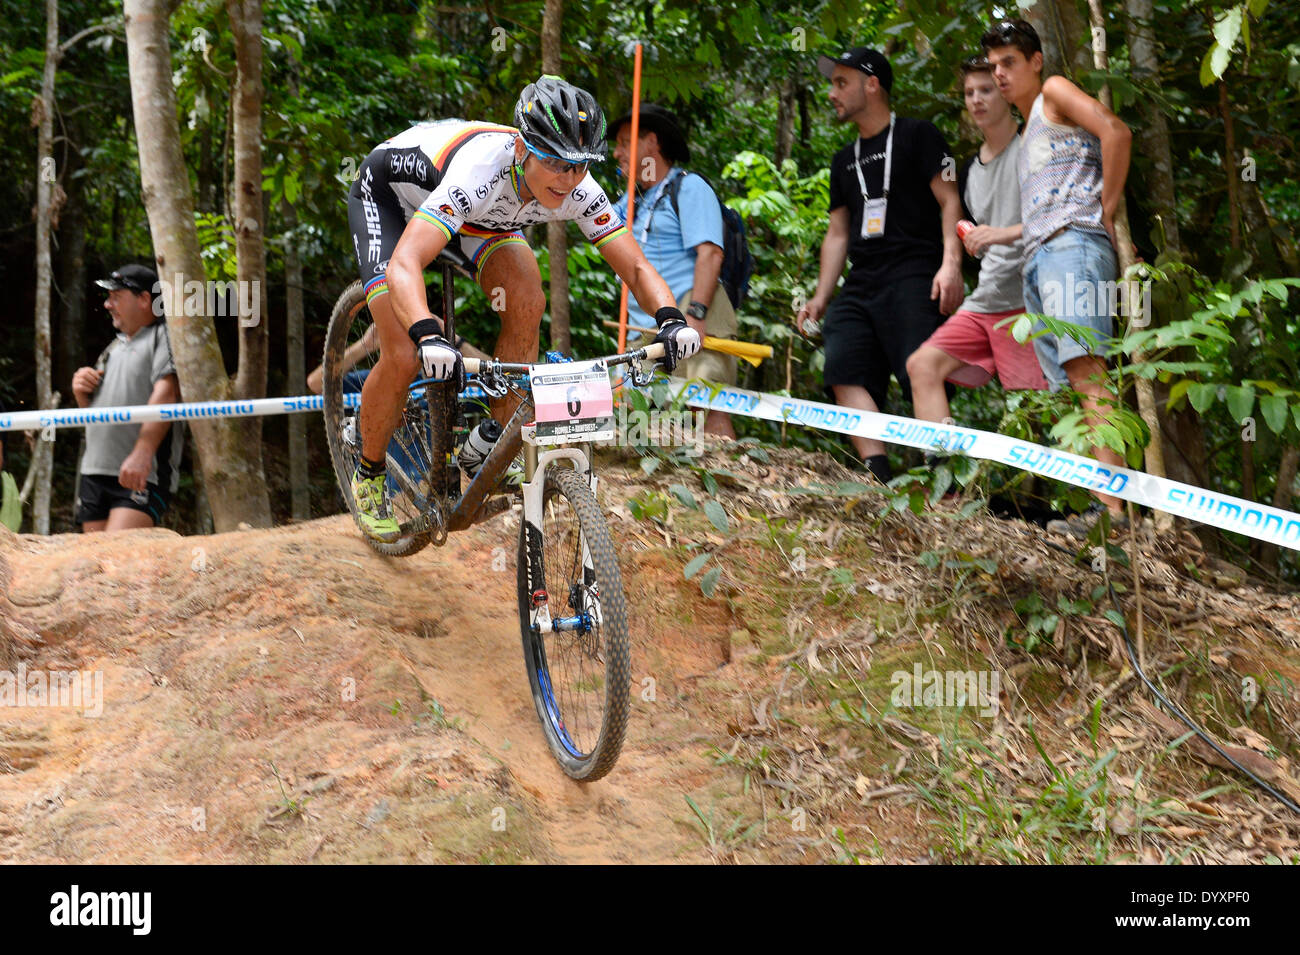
x: 675, y: 187
x: 670, y: 188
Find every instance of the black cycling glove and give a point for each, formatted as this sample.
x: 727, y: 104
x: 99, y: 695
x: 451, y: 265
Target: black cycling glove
x: 680, y: 340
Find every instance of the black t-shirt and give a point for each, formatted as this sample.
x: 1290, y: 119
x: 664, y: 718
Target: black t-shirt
x: 913, y: 240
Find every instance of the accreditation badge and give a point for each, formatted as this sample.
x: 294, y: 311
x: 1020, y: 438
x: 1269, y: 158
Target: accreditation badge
x: 873, y: 218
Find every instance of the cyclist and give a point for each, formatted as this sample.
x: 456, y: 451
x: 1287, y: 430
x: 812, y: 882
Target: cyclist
x: 477, y: 184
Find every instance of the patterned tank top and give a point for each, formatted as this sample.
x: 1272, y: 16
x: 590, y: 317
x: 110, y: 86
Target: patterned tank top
x: 1060, y: 179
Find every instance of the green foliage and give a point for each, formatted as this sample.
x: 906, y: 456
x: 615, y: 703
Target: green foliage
x: 341, y: 75
x: 718, y: 838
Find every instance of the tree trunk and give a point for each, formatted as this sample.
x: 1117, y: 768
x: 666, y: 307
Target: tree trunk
x: 1152, y: 140
x: 1062, y: 33
x: 784, y: 121
x: 235, y: 483
x: 1230, y: 167
x: 1273, y: 250
x: 250, y: 249
x: 1183, y: 427
x: 1155, y: 454
x: 295, y: 345
x: 72, y: 278
x: 1282, y: 495
x: 805, y: 133
x: 557, y: 239
x: 46, y: 183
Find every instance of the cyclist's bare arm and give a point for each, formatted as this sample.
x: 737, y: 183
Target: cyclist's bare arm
x: 646, y: 285
x: 419, y: 245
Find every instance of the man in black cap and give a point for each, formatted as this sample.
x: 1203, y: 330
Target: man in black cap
x: 894, y: 208
x: 129, y: 471
x: 679, y: 228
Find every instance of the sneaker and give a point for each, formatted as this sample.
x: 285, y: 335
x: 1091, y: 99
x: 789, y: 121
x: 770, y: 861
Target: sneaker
x: 351, y: 439
x: 953, y: 494
x: 1081, y: 525
x: 372, y: 508
x: 514, y: 476
x: 878, y: 467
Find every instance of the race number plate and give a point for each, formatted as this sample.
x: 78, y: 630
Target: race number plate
x: 574, y: 402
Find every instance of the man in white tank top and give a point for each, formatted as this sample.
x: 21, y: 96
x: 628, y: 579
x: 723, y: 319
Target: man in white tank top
x: 970, y: 346
x: 1074, y: 160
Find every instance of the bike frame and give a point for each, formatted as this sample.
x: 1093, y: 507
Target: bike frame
x: 537, y: 459
x: 497, y: 378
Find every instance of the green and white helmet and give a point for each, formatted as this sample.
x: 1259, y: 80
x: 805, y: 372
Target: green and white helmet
x: 559, y: 119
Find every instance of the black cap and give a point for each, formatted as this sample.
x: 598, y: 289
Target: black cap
x: 137, y: 278
x: 661, y: 122
x: 869, y: 61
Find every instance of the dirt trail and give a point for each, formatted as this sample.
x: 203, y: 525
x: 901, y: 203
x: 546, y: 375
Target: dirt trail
x: 288, y: 695
x: 268, y: 696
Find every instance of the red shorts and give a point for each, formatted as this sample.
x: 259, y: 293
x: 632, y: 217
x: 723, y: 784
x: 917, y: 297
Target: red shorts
x: 971, y: 337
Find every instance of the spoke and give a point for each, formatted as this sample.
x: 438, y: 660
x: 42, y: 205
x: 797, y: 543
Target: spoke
x: 577, y: 669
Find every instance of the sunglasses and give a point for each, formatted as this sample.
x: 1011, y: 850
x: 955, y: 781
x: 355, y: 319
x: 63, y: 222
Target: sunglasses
x: 129, y: 283
x: 1009, y: 28
x: 555, y: 164
x: 977, y: 62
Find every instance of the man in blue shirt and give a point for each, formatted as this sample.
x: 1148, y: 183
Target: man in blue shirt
x: 682, y: 240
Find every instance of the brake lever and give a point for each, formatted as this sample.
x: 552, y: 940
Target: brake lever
x: 640, y: 378
x: 492, y: 380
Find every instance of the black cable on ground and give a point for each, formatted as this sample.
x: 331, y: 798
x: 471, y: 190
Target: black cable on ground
x: 1128, y: 643
x: 1132, y: 655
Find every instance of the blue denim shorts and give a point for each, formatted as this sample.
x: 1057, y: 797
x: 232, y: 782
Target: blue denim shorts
x: 1072, y: 277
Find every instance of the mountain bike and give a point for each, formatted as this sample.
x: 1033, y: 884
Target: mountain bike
x: 572, y: 608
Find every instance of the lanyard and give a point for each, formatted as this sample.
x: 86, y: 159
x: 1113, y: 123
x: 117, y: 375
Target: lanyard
x: 889, y: 160
x: 663, y: 191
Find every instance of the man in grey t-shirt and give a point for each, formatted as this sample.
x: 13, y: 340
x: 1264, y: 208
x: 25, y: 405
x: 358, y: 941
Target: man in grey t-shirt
x: 129, y: 471
x: 968, y: 348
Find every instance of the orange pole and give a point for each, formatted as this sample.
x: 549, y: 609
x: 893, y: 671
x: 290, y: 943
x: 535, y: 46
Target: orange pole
x: 631, y: 187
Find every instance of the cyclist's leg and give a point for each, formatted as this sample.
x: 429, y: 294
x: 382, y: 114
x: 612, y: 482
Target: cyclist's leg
x: 508, y: 274
x: 376, y: 220
x: 383, y: 396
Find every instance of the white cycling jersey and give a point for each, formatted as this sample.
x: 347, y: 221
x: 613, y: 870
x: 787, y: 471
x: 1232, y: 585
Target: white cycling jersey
x: 453, y: 173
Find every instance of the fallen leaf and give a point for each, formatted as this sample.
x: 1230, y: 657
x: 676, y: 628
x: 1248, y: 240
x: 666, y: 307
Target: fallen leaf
x: 1121, y: 823
x: 1255, y: 741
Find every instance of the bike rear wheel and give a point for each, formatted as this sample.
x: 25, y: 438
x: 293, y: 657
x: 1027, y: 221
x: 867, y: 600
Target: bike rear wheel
x: 419, y: 476
x: 579, y: 676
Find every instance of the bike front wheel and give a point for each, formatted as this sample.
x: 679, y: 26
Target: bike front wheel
x: 573, y: 619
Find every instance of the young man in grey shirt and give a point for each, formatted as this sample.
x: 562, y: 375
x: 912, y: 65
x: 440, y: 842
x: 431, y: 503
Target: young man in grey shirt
x: 968, y: 348
x: 129, y: 471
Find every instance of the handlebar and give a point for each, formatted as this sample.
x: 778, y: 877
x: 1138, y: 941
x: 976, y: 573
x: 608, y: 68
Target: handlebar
x: 652, y: 352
